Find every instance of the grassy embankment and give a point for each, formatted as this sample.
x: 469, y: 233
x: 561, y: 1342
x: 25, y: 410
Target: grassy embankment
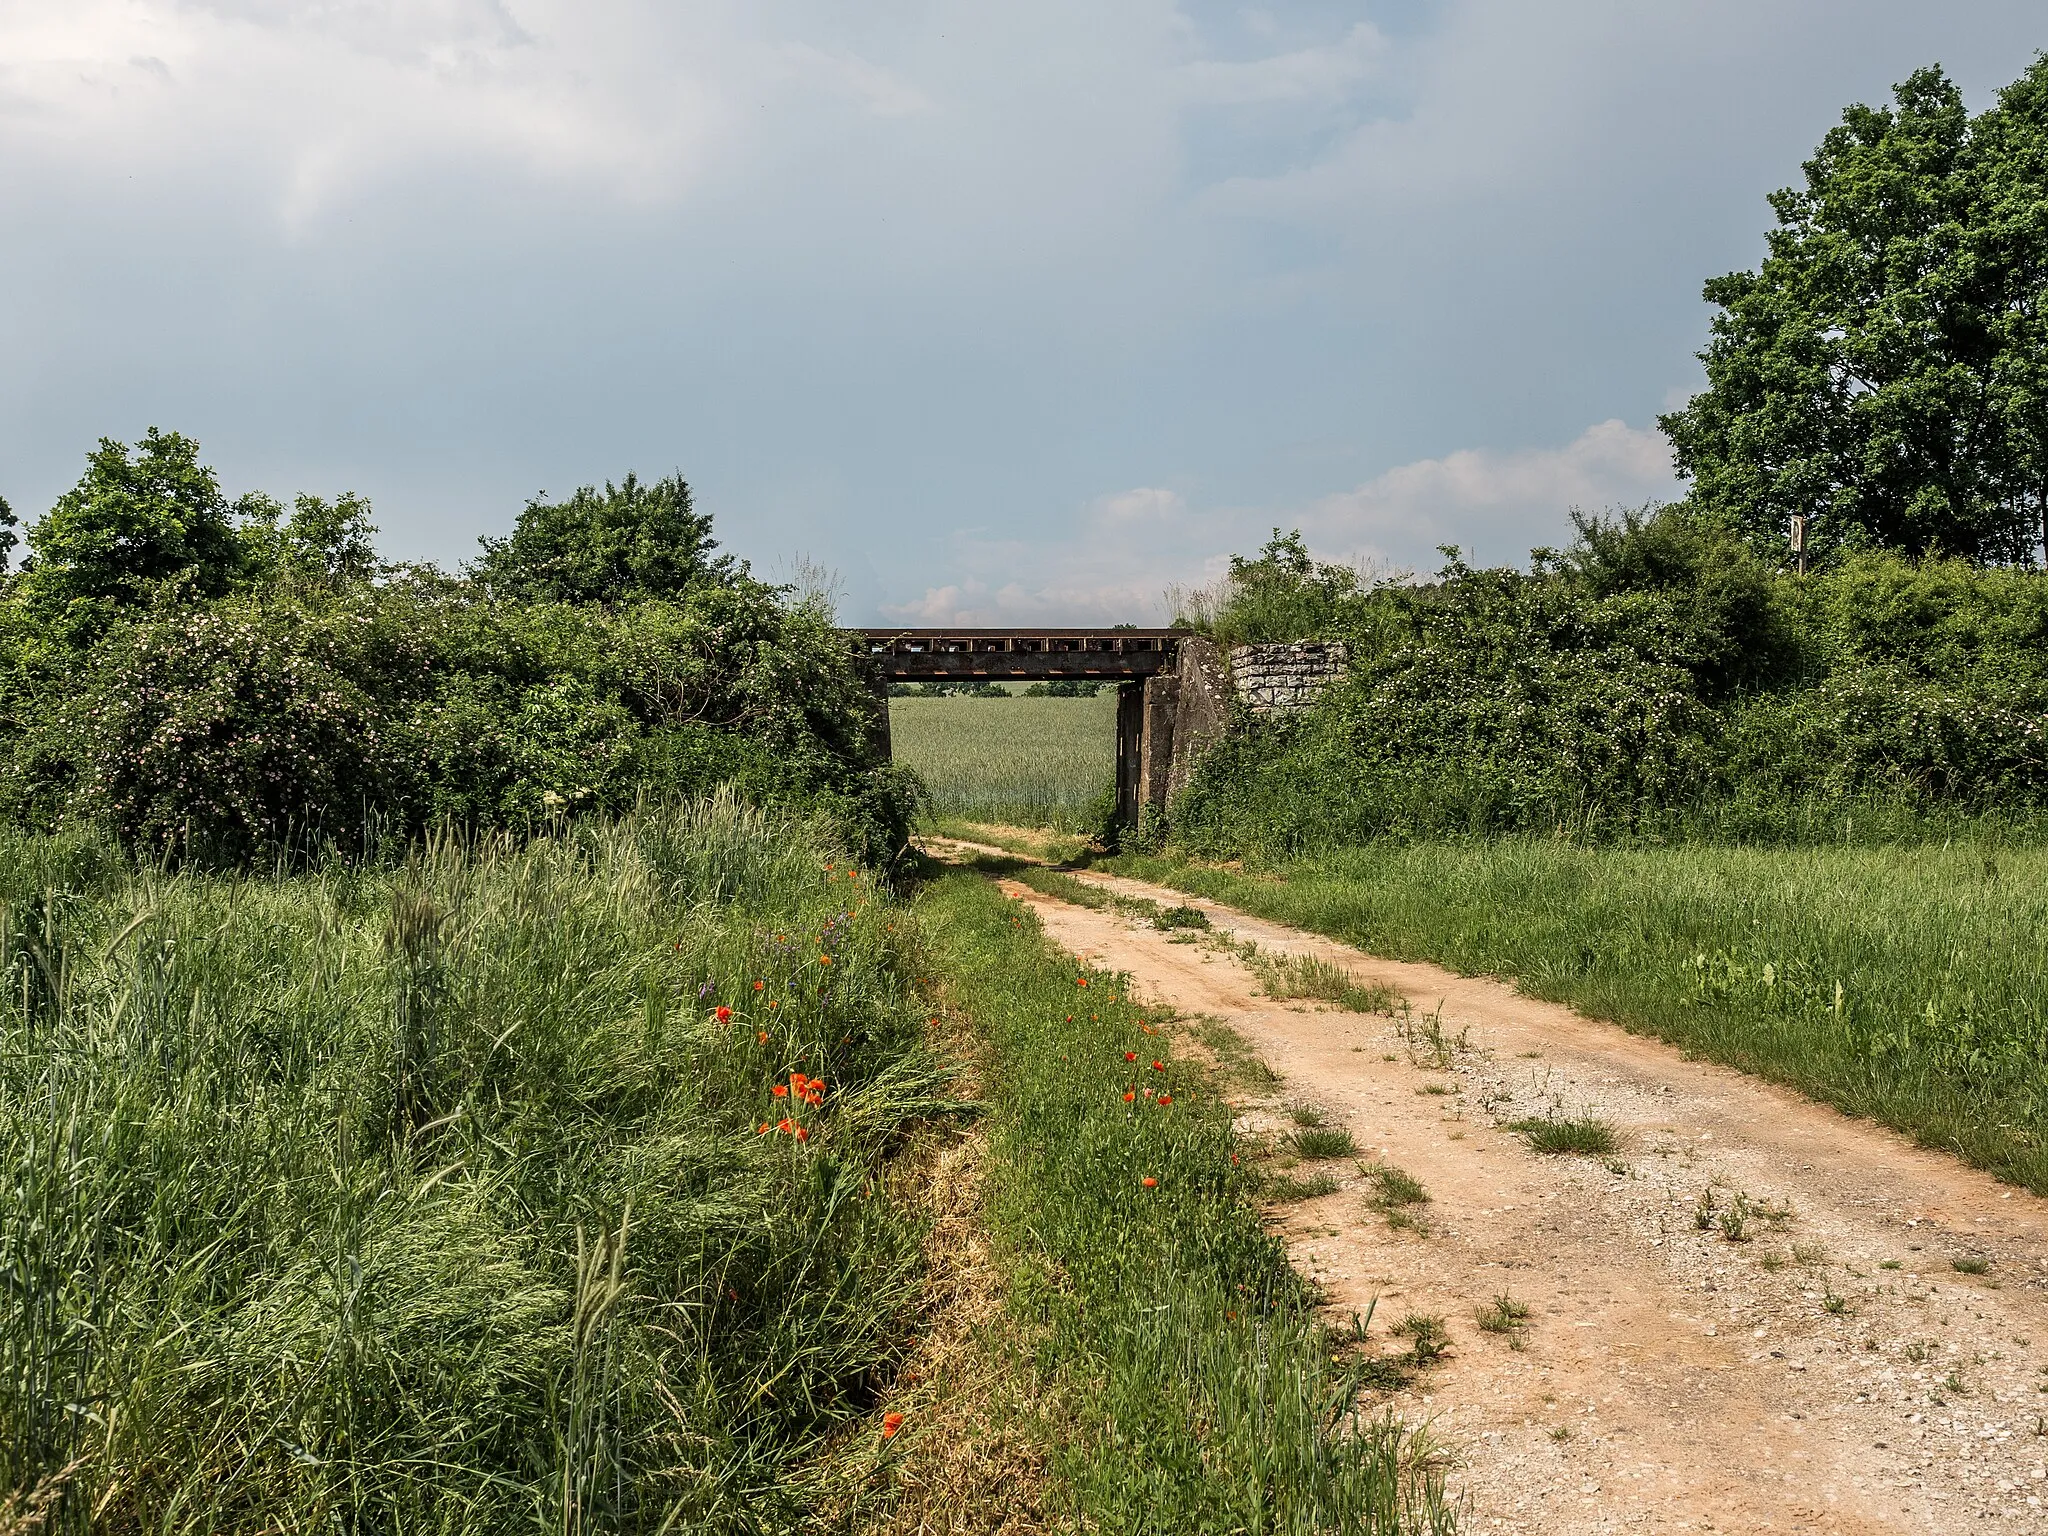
x: 1017, y: 761
x: 1186, y: 1381
x: 437, y: 1197
x: 1909, y: 985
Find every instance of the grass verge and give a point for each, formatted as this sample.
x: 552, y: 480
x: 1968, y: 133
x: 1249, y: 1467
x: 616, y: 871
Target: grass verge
x: 466, y: 1196
x: 1189, y: 1384
x: 1905, y: 984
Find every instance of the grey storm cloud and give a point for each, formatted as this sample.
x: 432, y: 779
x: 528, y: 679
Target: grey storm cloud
x: 1022, y: 311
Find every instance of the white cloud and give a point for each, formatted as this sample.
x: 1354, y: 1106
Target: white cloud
x: 1490, y: 497
x: 1131, y: 547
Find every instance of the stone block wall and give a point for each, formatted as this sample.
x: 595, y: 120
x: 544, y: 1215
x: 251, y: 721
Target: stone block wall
x: 1276, y: 679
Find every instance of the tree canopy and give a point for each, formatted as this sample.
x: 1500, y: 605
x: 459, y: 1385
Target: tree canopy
x: 1884, y: 373
x: 132, y: 521
x: 626, y: 542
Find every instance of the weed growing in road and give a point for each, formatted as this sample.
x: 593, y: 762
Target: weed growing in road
x: 1291, y: 976
x: 1580, y: 1134
x: 1428, y: 1044
x: 1308, y: 1116
x: 1735, y: 1218
x: 1285, y: 1187
x: 1322, y: 1141
x: 1504, y: 1315
x: 1971, y: 1264
x: 1180, y: 917
x: 1427, y: 1337
x: 1397, y: 1196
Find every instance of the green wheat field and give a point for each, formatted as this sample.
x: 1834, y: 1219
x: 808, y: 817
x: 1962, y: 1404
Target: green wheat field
x: 1019, y: 761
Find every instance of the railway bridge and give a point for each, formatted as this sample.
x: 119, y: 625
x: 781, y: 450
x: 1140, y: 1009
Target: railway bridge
x: 1172, y: 692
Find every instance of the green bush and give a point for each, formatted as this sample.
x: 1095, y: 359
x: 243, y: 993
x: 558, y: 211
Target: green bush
x: 1653, y: 680
x: 287, y: 692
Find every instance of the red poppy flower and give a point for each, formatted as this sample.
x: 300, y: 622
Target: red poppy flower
x: 824, y: 959
x: 1166, y: 1098
x: 802, y: 1134
x: 891, y: 1422
x: 785, y: 1126
x: 780, y: 1091
x: 1150, y: 1182
x: 761, y: 1036
x: 764, y: 1129
x: 1080, y: 981
x: 1158, y: 1066
x: 722, y: 1013
x: 759, y: 985
x: 1130, y: 1055
x: 1129, y: 1095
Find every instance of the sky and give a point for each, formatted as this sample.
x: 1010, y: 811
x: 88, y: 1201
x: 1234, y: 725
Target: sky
x: 1001, y: 313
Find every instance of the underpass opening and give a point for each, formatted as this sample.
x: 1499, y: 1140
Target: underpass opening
x: 1150, y: 668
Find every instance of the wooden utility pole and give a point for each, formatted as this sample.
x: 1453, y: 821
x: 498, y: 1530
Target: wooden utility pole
x: 1799, y: 541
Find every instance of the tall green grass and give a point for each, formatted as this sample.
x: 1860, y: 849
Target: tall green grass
x: 1907, y: 984
x: 435, y: 1198
x: 1024, y: 762
x: 1188, y: 1385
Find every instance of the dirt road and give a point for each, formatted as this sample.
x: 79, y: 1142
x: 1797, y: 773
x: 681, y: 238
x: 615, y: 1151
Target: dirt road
x: 1829, y: 1370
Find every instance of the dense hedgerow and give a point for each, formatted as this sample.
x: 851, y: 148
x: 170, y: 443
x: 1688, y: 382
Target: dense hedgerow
x: 280, y: 690
x: 1653, y: 679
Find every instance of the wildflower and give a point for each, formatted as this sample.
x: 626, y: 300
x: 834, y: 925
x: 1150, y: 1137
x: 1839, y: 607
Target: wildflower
x: 722, y: 1013
x: 891, y: 1422
x: 1080, y: 981
x: 1158, y: 1066
x: 759, y: 985
x: 1165, y: 1098
x: 774, y: 1005
x: 785, y: 1125
x: 824, y: 959
x: 761, y: 1037
x: 764, y: 1129
x: 779, y: 1091
x: 803, y: 1133
x: 1130, y: 1055
x: 1150, y: 1182
x: 1129, y: 1095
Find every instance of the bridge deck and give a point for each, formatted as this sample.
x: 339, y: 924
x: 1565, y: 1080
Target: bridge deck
x: 902, y: 655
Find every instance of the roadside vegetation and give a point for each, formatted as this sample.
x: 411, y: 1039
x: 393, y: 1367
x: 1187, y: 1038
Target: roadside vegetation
x: 512, y: 1186
x: 234, y: 682
x: 1185, y: 1381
